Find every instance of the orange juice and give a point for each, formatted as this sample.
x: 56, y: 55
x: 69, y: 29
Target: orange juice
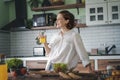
x: 3, y: 72
x: 42, y: 40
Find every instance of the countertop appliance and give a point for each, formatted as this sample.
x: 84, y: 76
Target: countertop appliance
x: 38, y: 51
x: 46, y: 19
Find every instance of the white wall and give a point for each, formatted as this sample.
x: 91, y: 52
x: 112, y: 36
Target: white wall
x: 22, y: 42
x: 4, y: 42
x: 95, y: 37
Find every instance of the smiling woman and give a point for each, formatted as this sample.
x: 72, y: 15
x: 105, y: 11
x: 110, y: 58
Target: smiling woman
x: 66, y: 46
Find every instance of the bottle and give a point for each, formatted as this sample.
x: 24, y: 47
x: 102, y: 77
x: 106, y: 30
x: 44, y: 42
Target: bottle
x: 2, y: 59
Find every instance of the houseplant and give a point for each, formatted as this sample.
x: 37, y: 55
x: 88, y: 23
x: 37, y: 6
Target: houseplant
x: 15, y: 66
x: 29, y: 23
x: 34, y: 3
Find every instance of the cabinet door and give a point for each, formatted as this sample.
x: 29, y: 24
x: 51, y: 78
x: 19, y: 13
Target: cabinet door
x: 37, y: 64
x: 96, y: 14
x: 113, y: 0
x: 95, y: 1
x: 102, y: 64
x: 114, y: 12
x: 82, y: 69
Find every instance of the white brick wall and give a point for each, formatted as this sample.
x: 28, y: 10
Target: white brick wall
x: 4, y: 42
x: 22, y: 42
x: 94, y: 37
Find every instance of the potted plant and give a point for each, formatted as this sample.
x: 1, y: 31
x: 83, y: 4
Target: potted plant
x: 34, y: 3
x: 15, y: 66
x: 29, y: 23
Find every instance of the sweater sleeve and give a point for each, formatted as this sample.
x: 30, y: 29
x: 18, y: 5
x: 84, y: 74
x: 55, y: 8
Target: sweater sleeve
x: 81, y: 51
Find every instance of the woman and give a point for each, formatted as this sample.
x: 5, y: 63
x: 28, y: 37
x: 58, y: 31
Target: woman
x: 67, y: 46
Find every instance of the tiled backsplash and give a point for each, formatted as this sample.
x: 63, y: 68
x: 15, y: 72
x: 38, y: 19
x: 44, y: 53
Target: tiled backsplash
x: 4, y: 42
x: 22, y: 42
x: 97, y: 37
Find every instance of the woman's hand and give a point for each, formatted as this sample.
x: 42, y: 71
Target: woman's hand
x: 42, y: 38
x: 90, y: 68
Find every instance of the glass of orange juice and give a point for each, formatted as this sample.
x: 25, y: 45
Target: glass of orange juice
x: 3, y: 72
x: 42, y: 39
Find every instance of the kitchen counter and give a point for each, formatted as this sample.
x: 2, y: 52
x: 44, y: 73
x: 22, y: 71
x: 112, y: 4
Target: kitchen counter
x: 109, y: 56
x: 92, y: 57
x: 103, y: 57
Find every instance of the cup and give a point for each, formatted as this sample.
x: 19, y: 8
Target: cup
x: 42, y: 38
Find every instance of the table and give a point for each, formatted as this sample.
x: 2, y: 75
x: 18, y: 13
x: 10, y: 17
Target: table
x: 32, y: 76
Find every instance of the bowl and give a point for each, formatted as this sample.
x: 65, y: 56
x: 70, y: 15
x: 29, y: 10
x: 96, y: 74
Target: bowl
x: 60, y: 67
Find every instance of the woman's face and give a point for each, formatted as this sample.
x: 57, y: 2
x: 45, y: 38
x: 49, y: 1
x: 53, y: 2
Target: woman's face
x: 61, y: 22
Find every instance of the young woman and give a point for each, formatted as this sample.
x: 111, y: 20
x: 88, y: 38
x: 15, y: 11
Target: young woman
x: 67, y: 46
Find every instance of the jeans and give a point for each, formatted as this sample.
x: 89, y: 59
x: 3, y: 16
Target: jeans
x: 51, y: 67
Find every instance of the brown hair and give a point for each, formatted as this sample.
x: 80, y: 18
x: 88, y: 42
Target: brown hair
x: 68, y: 16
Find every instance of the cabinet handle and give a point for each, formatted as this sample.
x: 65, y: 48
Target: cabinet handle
x: 110, y: 21
x: 40, y: 62
x: 105, y: 0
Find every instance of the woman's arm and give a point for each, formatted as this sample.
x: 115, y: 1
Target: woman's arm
x: 89, y: 67
x: 47, y: 49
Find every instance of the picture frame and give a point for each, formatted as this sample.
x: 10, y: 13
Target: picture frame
x: 38, y: 51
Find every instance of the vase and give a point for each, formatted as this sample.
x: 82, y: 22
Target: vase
x: 18, y: 72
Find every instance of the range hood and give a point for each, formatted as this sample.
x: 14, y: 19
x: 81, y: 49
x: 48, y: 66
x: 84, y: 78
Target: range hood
x: 21, y: 17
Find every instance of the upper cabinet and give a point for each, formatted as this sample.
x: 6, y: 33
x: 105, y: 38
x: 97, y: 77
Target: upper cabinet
x: 101, y: 12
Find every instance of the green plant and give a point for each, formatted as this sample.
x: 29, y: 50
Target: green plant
x: 34, y: 3
x: 60, y: 67
x: 29, y: 23
x: 14, y: 63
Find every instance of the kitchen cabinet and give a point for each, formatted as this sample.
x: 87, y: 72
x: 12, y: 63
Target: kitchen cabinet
x: 102, y: 12
x: 101, y: 61
x: 98, y: 62
x: 82, y: 69
x: 59, y: 7
x: 102, y: 64
x: 36, y: 64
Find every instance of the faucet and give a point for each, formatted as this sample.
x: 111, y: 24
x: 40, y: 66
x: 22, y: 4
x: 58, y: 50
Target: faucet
x: 108, y: 49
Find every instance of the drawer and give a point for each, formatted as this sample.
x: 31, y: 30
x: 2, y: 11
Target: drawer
x: 38, y: 64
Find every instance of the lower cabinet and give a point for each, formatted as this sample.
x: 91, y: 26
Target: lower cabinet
x: 102, y: 64
x: 36, y: 64
x: 82, y: 69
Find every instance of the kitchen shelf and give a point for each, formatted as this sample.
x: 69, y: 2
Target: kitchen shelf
x: 69, y: 6
x: 53, y: 27
x: 43, y: 27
